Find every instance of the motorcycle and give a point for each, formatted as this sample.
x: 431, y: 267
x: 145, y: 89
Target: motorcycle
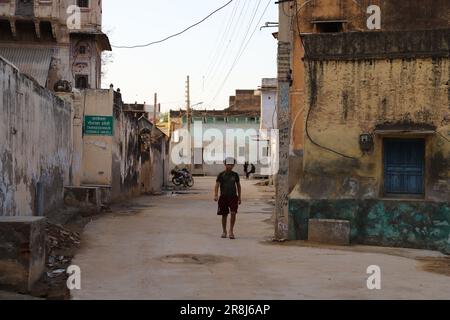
x: 182, y: 177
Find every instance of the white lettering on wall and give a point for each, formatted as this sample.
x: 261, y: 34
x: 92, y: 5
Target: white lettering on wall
x: 374, y: 21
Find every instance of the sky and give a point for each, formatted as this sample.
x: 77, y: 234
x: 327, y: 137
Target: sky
x: 206, y: 53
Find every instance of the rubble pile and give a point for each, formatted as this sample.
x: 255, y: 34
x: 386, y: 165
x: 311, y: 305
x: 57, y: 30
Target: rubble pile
x: 60, y: 243
x: 61, y: 238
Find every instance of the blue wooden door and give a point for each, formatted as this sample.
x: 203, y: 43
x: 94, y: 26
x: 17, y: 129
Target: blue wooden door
x: 404, y: 163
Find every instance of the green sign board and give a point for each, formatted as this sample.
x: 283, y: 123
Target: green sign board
x: 98, y: 125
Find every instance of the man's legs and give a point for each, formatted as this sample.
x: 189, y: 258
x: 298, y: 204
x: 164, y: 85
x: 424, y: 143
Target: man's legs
x: 233, y: 222
x: 224, y: 225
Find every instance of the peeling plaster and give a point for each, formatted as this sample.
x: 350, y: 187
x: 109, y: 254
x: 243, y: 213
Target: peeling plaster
x: 39, y: 147
x: 99, y: 144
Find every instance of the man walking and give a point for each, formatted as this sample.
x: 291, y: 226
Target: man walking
x: 247, y: 173
x: 230, y: 196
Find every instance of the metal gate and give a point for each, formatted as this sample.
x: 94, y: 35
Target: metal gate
x: 404, y: 163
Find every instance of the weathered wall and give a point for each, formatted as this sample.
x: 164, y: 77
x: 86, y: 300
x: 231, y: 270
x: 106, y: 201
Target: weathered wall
x: 77, y: 139
x: 154, y: 157
x: 284, y: 68
x: 97, y: 150
x: 351, y: 97
x: 388, y: 84
x: 35, y: 145
x: 122, y: 163
x: 158, y: 157
x: 396, y: 15
x: 414, y: 224
x: 269, y: 108
x: 126, y: 155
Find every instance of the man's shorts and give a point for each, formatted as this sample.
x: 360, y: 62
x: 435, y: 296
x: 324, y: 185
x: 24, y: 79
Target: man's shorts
x: 227, y: 205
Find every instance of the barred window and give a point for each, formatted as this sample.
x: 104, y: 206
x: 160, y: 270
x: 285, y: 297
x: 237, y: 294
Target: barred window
x: 83, y: 3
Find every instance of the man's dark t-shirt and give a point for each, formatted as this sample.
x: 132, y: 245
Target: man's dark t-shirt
x: 228, y: 182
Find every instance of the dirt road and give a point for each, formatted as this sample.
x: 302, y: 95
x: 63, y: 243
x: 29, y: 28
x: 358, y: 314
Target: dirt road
x: 169, y: 247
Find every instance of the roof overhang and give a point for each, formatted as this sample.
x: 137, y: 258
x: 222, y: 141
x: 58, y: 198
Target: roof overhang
x: 404, y: 132
x: 415, y: 129
x: 100, y: 37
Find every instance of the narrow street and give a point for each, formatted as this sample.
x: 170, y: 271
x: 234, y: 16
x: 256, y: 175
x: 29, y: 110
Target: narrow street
x: 116, y: 118
x: 169, y: 247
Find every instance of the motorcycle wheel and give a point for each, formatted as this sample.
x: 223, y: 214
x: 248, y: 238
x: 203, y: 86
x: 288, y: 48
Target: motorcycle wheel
x: 190, y: 182
x: 176, y: 182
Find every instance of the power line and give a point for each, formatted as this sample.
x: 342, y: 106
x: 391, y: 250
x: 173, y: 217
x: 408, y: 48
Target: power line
x: 311, y: 76
x: 217, y: 67
x: 176, y: 34
x: 256, y: 8
x: 216, y: 52
x: 240, y: 52
x: 236, y: 60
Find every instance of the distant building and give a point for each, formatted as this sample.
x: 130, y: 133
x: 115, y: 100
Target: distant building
x: 220, y: 122
x: 269, y: 121
x: 245, y: 100
x: 36, y: 38
x: 145, y: 110
x: 269, y: 104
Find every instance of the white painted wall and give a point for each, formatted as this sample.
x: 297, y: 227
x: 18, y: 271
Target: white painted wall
x: 269, y: 104
x: 213, y: 169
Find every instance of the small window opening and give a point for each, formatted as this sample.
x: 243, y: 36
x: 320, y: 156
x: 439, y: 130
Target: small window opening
x: 81, y: 82
x: 330, y: 27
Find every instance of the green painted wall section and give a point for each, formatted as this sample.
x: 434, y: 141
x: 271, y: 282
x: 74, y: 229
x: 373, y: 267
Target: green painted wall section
x: 408, y: 224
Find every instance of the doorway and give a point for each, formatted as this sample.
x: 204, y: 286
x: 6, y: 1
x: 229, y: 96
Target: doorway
x: 404, y: 167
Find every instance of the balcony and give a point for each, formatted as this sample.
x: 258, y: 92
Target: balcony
x: 20, y: 19
x: 50, y: 10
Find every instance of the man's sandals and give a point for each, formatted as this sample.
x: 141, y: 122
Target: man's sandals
x: 224, y: 236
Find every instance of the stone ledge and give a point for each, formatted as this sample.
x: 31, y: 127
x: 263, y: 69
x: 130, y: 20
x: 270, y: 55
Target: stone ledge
x: 329, y: 231
x: 22, y: 252
x: 86, y: 198
x: 380, y: 222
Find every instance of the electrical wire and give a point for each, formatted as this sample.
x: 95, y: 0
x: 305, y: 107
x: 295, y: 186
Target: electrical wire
x: 218, y: 66
x: 239, y: 55
x: 311, y: 76
x: 216, y: 52
x: 176, y: 34
x: 249, y: 26
x: 222, y: 54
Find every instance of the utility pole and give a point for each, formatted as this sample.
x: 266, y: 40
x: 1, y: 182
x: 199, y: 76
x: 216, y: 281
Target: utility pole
x: 154, y: 109
x: 188, y: 119
x: 154, y: 116
x: 188, y: 104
